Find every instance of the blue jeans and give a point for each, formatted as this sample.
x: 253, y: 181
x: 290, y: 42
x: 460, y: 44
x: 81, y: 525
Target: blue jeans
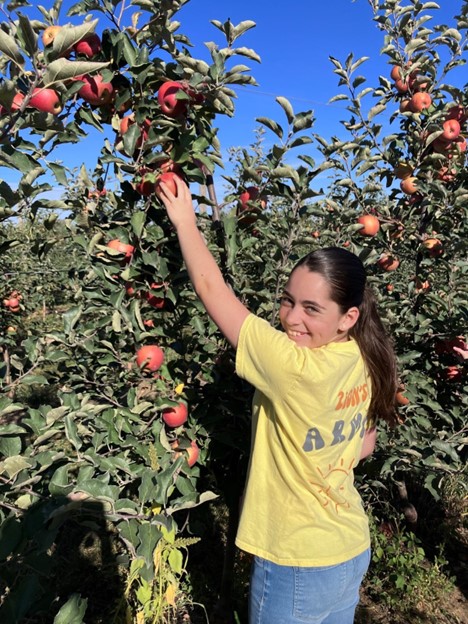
x: 294, y: 595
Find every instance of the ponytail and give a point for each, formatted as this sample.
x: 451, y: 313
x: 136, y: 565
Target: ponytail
x: 346, y: 276
x: 377, y: 350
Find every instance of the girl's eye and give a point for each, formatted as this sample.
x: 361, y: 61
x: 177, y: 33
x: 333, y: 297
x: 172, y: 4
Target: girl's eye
x: 310, y: 310
x: 286, y: 301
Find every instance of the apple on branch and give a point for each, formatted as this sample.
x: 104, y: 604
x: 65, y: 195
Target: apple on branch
x: 46, y: 100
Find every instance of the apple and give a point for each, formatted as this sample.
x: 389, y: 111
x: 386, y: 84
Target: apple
x: 169, y: 179
x: 403, y: 170
x: 395, y: 74
x: 49, y: 35
x: 123, y: 248
x: 155, y: 301
x: 251, y: 193
x: 17, y: 102
x: 370, y: 223
x: 401, y: 86
x: 452, y: 373
x: 168, y: 165
x: 458, y: 113
x: 451, y: 130
x: 147, y: 184
x: 409, y: 185
x: 95, y: 91
x: 193, y: 453
x: 128, y: 121
x: 405, y: 105
x: 150, y: 358
x: 175, y: 416
x: 89, y: 46
x: 12, y: 302
x: 130, y: 289
x: 401, y: 399
x: 167, y: 99
x: 446, y: 174
x: 11, y: 330
x: 420, y: 101
x: 434, y: 246
x: 421, y: 286
x: 46, y: 100
x: 389, y: 287
x: 316, y: 234
x: 388, y: 262
x: 148, y: 323
x: 449, y: 345
x: 459, y: 144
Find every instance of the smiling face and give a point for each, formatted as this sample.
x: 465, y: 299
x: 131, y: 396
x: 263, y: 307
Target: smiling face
x: 308, y: 314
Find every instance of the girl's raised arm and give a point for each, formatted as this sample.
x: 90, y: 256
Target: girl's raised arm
x: 219, y: 300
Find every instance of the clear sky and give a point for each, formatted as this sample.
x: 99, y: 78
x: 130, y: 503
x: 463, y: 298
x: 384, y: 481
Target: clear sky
x: 294, y: 40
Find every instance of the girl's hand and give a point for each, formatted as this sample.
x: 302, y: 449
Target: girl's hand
x: 179, y: 207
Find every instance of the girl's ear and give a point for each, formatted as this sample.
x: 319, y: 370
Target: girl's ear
x: 349, y: 319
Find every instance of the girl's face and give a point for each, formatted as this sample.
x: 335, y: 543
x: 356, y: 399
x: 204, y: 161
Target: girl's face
x: 308, y: 315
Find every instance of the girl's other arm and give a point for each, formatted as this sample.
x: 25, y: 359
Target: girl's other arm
x: 219, y: 300
x: 368, y: 444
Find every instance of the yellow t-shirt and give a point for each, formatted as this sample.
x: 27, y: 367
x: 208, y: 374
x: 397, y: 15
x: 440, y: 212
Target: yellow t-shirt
x: 309, y: 418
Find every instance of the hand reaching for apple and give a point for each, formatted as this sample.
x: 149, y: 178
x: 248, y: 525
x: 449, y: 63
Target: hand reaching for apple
x: 179, y: 206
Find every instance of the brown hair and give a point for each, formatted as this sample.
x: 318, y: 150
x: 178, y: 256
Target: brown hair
x: 345, y: 274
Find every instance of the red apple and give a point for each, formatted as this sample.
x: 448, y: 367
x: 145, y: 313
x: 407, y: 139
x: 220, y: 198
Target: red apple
x: 409, y: 185
x: 89, y: 46
x: 169, y: 179
x: 401, y: 86
x: 193, y: 453
x: 95, y: 91
x: 458, y: 113
x: 251, y: 193
x: 420, y: 101
x: 452, y: 373
x: 405, y: 105
x: 167, y: 99
x: 388, y: 262
x: 150, y: 358
x: 155, y: 301
x: 147, y: 184
x: 370, y: 223
x: 17, y: 101
x: 123, y: 248
x: 46, y: 100
x: 451, y: 130
x: 175, y: 416
x: 434, y: 247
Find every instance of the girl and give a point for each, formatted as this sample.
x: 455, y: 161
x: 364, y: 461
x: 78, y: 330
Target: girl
x: 320, y: 385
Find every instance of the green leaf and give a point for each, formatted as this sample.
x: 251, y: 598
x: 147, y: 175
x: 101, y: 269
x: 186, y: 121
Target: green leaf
x: 286, y: 106
x: 72, y: 432
x: 13, y: 465
x: 71, y: 318
x: 63, y: 69
x: 138, y: 220
x: 251, y: 54
x: 73, y: 611
x: 9, y: 48
x: 27, y: 35
x: 176, y: 560
x: 59, y: 172
x: 271, y: 125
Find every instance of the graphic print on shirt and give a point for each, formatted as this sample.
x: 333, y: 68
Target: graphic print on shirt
x: 341, y: 431
x: 325, y: 490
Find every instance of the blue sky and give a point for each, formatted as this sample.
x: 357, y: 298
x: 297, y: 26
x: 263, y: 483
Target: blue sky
x: 294, y: 41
